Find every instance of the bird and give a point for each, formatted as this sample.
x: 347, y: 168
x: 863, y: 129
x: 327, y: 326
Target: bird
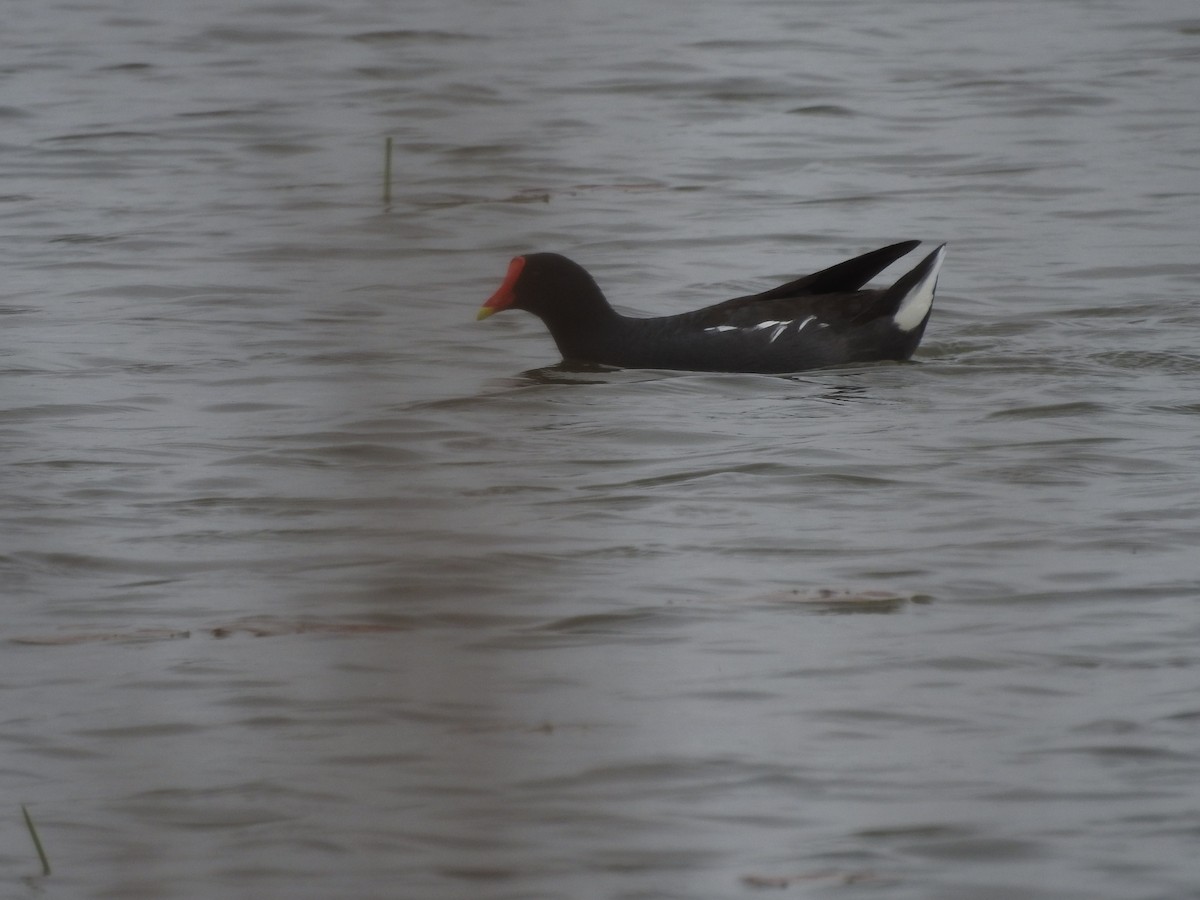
x: 824, y: 319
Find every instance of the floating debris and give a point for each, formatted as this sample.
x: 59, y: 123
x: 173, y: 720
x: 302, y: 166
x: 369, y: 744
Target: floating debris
x: 255, y: 627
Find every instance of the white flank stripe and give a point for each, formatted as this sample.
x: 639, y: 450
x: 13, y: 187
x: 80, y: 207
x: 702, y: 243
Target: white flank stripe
x: 778, y: 327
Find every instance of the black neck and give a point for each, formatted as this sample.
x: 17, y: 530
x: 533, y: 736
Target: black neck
x: 587, y: 324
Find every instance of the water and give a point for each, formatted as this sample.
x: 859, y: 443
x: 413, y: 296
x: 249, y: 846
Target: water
x: 315, y: 587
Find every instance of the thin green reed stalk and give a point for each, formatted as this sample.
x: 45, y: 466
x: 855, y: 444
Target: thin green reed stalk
x: 37, y: 841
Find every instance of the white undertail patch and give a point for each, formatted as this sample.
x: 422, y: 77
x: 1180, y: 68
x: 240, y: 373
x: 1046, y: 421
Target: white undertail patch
x: 915, y: 305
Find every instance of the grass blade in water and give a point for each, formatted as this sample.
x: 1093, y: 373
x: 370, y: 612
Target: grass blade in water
x: 387, y: 171
x: 37, y: 841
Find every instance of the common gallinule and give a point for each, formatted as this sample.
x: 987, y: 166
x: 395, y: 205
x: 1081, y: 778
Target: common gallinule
x: 822, y: 319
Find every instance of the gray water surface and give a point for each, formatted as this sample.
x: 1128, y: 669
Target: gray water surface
x: 314, y: 587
